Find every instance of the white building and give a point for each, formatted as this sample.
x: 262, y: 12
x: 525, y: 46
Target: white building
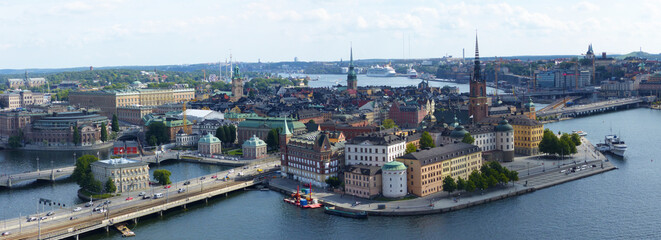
x: 127, y: 174
x: 186, y: 140
x: 497, y: 142
x: 374, y: 149
x: 393, y: 175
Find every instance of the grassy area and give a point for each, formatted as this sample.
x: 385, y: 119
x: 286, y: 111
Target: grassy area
x: 190, y: 157
x: 98, y: 196
x: 235, y: 152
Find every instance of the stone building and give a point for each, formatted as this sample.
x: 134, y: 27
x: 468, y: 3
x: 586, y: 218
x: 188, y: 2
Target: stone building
x: 363, y: 181
x: 127, y: 174
x: 394, y: 179
x: 237, y: 85
x: 23, y: 99
x: 209, y: 145
x: 427, y: 168
x: 58, y: 128
x: 374, y: 149
x: 133, y: 114
x: 254, y: 148
x: 312, y: 157
x: 109, y: 100
x: 27, y: 82
x: 260, y: 127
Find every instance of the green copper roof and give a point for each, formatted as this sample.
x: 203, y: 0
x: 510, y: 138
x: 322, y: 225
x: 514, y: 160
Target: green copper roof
x: 530, y: 104
x: 504, y: 126
x: 393, y: 166
x: 286, y: 130
x: 458, y: 132
x: 254, y: 141
x: 209, y: 139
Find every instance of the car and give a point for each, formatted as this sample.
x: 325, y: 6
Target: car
x: 158, y: 195
x: 167, y: 186
x: 186, y: 183
x: 73, y: 218
x: 59, y: 170
x: 107, y: 202
x: 96, y: 209
x: 181, y: 190
x: 77, y: 209
x: 231, y: 170
x: 142, y: 194
x: 32, y: 219
x: 214, y: 176
x: 246, y: 167
x: 129, y: 198
x: 50, y: 213
x: 43, y: 218
x: 563, y: 171
x: 146, y: 197
x: 202, y: 178
x: 6, y: 233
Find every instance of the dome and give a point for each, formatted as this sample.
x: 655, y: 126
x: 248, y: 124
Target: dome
x: 209, y: 139
x: 458, y: 132
x: 254, y: 141
x: 530, y: 104
x: 430, y: 118
x: 393, y: 166
x: 137, y: 83
x: 504, y: 126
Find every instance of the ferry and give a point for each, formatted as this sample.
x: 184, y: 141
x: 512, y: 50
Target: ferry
x: 333, y: 211
x: 612, y: 144
x: 580, y: 133
x: 381, y: 71
x: 412, y: 73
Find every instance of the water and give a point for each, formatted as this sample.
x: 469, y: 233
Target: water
x: 620, y: 204
x: 327, y: 80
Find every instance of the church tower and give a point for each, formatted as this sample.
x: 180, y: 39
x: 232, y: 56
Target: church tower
x: 285, y: 135
x: 237, y: 85
x: 478, y: 108
x: 352, y: 78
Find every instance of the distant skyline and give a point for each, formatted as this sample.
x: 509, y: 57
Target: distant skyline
x: 59, y: 34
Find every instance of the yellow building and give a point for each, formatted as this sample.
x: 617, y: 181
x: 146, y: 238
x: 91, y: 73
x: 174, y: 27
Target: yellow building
x: 109, y: 100
x: 527, y: 135
x: 427, y: 168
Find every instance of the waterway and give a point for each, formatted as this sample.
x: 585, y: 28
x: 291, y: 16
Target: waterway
x: 620, y: 204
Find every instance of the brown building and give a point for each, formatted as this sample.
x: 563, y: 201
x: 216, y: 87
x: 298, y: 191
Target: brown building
x: 312, y: 158
x: 478, y: 107
x: 363, y: 181
x: 23, y: 99
x: 237, y: 85
x: 12, y: 122
x: 427, y: 168
x: 133, y: 114
x: 58, y: 128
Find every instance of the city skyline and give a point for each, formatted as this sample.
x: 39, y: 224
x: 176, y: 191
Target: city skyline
x: 118, y: 33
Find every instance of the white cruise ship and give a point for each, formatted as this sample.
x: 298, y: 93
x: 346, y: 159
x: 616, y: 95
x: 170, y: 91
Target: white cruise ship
x: 381, y: 71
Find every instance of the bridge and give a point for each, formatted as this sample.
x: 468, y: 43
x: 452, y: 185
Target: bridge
x: 46, y: 175
x: 61, y: 225
x: 592, y: 108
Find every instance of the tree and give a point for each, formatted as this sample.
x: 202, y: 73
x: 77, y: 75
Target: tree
x: 468, y: 139
x: 410, y: 148
x: 388, y: 124
x: 158, y: 130
x: 153, y: 141
x: 576, y: 139
x: 312, y: 121
x: 14, y: 141
x: 82, y: 173
x: 228, y: 135
x: 567, y: 145
x: 272, y: 139
x: 162, y: 176
x: 550, y: 143
x: 115, y: 123
x: 461, y: 184
x: 333, y: 182
x: 470, y: 186
x: 232, y: 134
x: 104, y: 132
x: 449, y: 185
x: 110, y: 186
x: 76, y: 135
x: 426, y: 141
x: 220, y: 134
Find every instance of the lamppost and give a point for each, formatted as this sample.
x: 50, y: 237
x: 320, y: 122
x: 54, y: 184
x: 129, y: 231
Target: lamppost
x: 528, y: 165
x: 37, y: 164
x: 74, y: 159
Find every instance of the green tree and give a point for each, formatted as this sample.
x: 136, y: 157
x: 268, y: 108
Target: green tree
x: 410, y: 148
x: 468, y: 139
x: 162, y: 176
x: 158, y: 130
x: 220, y: 134
x: 426, y: 141
x: 449, y: 185
x: 567, y: 145
x: 82, y: 173
x: 388, y: 124
x: 272, y: 139
x: 311, y: 121
x: 76, y: 135
x: 333, y: 182
x: 461, y: 184
x: 576, y: 139
x: 110, y: 186
x: 550, y: 143
x: 470, y: 186
x: 14, y: 141
x: 95, y: 186
x: 232, y: 134
x: 153, y: 141
x: 115, y: 123
x: 104, y: 132
x: 228, y: 135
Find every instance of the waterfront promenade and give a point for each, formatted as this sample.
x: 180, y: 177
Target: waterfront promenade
x: 540, y: 177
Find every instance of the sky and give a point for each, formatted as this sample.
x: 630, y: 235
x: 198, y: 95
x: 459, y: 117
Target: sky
x: 67, y: 33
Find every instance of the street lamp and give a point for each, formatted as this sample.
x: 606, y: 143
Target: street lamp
x: 74, y: 159
x: 37, y: 164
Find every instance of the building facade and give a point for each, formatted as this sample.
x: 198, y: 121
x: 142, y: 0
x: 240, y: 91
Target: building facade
x: 254, y: 148
x: 209, y: 145
x: 394, y: 180
x: 312, y: 157
x: 57, y: 129
x: 478, y: 107
x: 260, y: 127
x: 127, y: 174
x: 133, y: 114
x: 374, y: 149
x: 427, y: 168
x: 109, y: 100
x: 363, y: 181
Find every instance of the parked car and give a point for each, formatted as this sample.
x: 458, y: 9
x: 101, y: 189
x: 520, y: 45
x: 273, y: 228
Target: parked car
x: 181, y: 190
x: 142, y: 194
x: 107, y: 202
x: 167, y: 186
x: 43, y: 218
x: 6, y: 233
x: 73, y: 218
x: 186, y: 183
x: 146, y: 197
x: 50, y: 213
x: 214, y: 176
x: 32, y: 219
x: 77, y: 209
x: 129, y: 198
x: 89, y: 204
x: 202, y: 178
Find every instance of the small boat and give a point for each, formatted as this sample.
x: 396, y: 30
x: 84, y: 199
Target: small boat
x: 333, y: 211
x: 580, y: 133
x: 612, y: 144
x: 299, y: 201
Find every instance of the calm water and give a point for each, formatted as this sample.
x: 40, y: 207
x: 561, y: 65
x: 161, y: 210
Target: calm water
x: 621, y: 204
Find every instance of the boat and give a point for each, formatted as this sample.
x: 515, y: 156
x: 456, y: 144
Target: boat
x: 412, y: 73
x: 297, y: 200
x: 381, y: 71
x: 333, y: 211
x: 580, y: 133
x: 612, y: 144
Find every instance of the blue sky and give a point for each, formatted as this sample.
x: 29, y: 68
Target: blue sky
x: 52, y: 34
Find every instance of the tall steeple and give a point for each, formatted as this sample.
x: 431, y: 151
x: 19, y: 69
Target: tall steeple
x: 476, y: 67
x: 352, y: 78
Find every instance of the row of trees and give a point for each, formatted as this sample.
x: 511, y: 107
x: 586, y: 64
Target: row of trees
x: 226, y: 134
x: 273, y: 139
x: 565, y: 145
x: 490, y: 175
x: 157, y: 133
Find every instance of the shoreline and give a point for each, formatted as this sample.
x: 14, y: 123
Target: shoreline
x: 101, y: 146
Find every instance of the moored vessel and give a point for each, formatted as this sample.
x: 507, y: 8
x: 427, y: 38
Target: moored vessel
x: 333, y: 211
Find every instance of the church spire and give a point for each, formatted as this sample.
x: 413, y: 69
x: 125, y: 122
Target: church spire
x: 351, y: 57
x: 476, y: 67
